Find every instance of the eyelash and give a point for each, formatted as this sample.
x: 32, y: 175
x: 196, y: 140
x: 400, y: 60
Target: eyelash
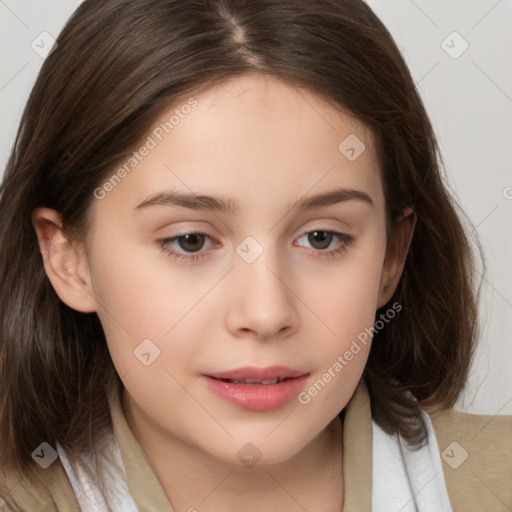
x: 346, y: 242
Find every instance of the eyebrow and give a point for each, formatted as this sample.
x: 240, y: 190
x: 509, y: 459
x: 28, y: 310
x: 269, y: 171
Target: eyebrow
x: 230, y: 206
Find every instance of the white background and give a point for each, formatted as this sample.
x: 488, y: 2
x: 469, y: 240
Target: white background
x: 469, y: 99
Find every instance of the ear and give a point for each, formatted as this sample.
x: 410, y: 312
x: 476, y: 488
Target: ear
x: 396, y: 254
x: 65, y: 262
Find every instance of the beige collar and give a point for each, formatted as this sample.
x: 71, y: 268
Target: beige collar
x: 149, y: 495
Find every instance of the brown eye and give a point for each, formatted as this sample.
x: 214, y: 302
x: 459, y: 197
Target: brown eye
x: 186, y: 247
x: 191, y: 242
x: 322, y: 238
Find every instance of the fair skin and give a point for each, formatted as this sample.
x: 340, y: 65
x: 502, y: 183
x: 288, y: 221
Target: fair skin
x: 266, y: 145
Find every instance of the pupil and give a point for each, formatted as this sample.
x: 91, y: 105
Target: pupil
x: 316, y: 236
x: 191, y: 240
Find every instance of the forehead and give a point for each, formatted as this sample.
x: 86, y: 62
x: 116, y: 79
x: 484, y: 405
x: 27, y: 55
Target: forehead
x: 254, y: 138
x: 261, y: 104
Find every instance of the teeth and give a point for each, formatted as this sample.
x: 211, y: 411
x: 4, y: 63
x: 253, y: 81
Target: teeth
x: 252, y: 381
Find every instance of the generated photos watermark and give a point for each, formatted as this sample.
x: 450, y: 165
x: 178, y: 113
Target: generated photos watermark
x: 343, y: 360
x: 151, y: 142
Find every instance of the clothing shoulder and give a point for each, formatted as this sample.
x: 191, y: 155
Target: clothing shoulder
x: 476, y: 451
x: 38, y: 490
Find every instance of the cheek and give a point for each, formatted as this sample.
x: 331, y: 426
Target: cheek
x: 140, y: 299
x: 346, y: 301
x: 347, y: 293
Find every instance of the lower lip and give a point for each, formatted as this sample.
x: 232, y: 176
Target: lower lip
x: 257, y: 397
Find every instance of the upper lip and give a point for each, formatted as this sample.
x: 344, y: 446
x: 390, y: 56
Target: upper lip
x: 259, y: 374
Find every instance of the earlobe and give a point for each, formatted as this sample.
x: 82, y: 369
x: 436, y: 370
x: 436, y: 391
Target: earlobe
x: 396, y: 255
x: 64, y: 261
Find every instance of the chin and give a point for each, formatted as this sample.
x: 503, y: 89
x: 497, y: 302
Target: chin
x: 251, y: 451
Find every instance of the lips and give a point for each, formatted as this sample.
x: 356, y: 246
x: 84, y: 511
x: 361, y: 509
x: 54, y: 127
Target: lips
x: 257, y: 389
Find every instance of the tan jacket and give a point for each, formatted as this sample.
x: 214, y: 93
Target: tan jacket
x: 482, y: 482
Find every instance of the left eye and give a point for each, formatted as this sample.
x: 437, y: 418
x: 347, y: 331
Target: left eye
x: 323, y: 238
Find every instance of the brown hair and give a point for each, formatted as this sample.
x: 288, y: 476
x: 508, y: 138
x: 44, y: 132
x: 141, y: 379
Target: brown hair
x: 117, y: 66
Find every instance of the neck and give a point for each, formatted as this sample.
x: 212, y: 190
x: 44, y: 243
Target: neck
x: 194, y: 481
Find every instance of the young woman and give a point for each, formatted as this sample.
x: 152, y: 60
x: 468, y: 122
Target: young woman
x: 231, y: 275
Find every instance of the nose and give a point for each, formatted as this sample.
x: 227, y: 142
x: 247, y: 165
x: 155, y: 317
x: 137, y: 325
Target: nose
x: 263, y: 303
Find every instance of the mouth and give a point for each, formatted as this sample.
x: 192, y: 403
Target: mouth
x: 257, y: 389
x: 255, y: 375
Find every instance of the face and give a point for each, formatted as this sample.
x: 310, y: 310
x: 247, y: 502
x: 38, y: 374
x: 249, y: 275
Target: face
x: 184, y: 292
